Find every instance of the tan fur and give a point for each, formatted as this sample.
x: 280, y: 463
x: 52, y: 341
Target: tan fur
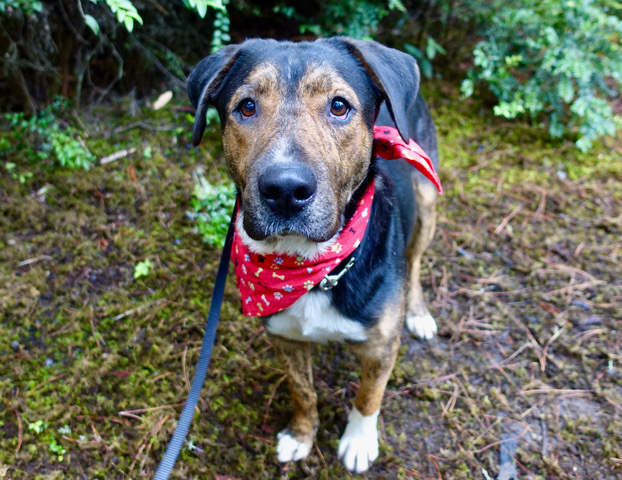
x: 378, y: 357
x: 425, y: 225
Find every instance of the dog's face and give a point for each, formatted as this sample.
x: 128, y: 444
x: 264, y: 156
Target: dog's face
x: 297, y: 128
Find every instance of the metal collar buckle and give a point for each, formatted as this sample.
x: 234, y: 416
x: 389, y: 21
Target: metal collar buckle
x: 330, y: 281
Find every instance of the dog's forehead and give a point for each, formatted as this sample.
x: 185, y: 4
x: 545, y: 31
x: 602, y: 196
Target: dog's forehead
x: 289, y: 62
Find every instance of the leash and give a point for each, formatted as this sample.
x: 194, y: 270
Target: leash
x: 181, y: 431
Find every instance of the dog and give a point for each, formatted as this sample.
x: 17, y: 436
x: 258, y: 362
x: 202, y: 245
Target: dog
x: 298, y: 136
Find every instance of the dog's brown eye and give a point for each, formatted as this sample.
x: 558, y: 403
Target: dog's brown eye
x: 339, y: 107
x: 247, y: 107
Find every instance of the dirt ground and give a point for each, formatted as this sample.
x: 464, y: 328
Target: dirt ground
x: 524, y: 278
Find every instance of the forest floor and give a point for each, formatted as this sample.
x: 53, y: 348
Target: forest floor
x: 524, y: 278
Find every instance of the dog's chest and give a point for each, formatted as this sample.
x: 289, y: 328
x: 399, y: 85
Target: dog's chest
x: 314, y: 319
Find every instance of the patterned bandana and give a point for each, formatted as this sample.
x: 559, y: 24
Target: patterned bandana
x: 271, y: 283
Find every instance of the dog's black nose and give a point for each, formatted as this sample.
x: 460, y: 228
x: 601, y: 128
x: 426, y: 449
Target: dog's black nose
x: 287, y: 189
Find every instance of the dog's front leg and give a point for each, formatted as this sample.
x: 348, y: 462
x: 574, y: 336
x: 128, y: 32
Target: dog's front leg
x: 296, y: 440
x: 358, y: 446
x: 418, y: 319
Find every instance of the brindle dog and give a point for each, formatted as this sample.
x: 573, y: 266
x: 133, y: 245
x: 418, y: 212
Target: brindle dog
x: 297, y: 122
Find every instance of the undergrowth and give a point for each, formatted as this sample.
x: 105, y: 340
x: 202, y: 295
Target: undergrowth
x: 46, y: 139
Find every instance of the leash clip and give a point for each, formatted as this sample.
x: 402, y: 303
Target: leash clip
x: 330, y: 281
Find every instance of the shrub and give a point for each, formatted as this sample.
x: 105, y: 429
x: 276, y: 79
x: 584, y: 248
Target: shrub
x: 43, y: 139
x: 557, y: 59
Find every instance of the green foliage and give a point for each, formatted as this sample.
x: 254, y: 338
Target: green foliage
x: 39, y: 427
x: 27, y: 6
x: 125, y: 11
x: 212, y: 205
x: 558, y: 58
x: 201, y: 5
x: 424, y: 58
x: 354, y: 18
x: 141, y: 269
x: 221, y: 28
x: 42, y: 138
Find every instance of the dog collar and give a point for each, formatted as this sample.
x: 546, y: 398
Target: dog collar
x: 388, y: 144
x: 271, y: 283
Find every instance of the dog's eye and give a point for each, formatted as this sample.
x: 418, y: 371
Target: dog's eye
x: 339, y: 108
x: 247, y: 107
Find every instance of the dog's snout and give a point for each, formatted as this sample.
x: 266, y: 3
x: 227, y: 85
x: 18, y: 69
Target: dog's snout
x: 287, y: 189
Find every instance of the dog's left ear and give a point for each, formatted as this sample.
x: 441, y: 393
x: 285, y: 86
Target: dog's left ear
x: 204, y: 83
x: 395, y: 73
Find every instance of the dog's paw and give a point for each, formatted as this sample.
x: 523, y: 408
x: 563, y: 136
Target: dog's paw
x: 290, y: 447
x: 358, y: 446
x: 422, y: 326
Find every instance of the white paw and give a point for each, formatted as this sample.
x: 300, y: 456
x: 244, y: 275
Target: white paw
x: 290, y: 449
x: 358, y: 446
x: 422, y: 326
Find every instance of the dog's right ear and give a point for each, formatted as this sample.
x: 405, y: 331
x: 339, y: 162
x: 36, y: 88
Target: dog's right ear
x: 204, y: 84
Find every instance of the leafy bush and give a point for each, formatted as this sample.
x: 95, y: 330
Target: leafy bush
x: 557, y: 58
x: 43, y: 138
x: 27, y: 6
x: 212, y: 205
x: 354, y: 18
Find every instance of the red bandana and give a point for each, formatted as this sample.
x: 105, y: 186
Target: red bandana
x: 273, y: 282
x: 389, y: 145
x: 270, y: 283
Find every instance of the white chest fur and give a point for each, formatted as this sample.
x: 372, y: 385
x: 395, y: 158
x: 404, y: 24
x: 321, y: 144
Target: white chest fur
x: 313, y: 319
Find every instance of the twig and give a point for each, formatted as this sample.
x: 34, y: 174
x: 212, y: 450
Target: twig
x: 500, y: 442
x: 117, y: 155
x: 546, y: 347
x: 20, y: 430
x: 317, y: 449
x: 41, y: 385
x: 30, y: 261
x: 137, y: 309
x: 272, y: 395
x: 507, y: 219
x: 557, y: 391
x: 184, y: 371
x: 411, y: 472
x: 570, y: 288
x: 131, y: 413
x: 154, y: 433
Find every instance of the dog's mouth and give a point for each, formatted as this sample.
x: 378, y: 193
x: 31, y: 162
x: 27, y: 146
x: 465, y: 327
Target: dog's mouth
x: 270, y: 229
x: 291, y: 237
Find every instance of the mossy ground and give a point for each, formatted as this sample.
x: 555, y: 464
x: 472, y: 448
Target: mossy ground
x: 524, y: 278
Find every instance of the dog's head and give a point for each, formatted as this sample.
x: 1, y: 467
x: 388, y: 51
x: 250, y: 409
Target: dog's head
x: 297, y: 123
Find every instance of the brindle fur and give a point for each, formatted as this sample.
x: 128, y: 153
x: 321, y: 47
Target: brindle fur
x: 292, y: 86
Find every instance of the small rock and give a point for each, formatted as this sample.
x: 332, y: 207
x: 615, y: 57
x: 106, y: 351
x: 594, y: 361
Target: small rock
x: 49, y: 362
x: 592, y: 320
x: 15, y: 345
x: 465, y: 253
x: 582, y: 303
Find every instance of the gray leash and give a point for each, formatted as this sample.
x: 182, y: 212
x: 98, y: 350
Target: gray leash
x: 181, y: 431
